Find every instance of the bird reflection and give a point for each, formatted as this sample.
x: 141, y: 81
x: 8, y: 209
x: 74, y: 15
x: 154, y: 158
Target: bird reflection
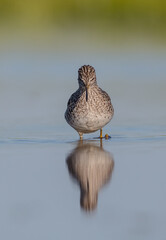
x: 92, y: 167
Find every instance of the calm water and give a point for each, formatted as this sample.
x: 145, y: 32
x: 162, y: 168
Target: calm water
x: 49, y: 180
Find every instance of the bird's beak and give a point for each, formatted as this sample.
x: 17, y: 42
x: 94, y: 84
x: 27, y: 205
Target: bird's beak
x: 87, y: 92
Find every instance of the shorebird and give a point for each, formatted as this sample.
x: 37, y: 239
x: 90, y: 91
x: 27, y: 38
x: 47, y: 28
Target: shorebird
x: 89, y: 108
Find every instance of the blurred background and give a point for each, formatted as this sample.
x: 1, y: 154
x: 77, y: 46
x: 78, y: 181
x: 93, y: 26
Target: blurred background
x: 147, y: 16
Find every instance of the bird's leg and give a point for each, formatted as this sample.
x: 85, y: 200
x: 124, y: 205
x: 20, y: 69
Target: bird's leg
x: 101, y: 131
x: 81, y: 135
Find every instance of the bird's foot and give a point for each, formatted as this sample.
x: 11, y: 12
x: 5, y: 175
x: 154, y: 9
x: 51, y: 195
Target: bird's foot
x: 107, y: 136
x: 101, y: 135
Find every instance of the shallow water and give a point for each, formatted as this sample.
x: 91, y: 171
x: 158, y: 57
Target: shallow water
x: 39, y: 198
x: 40, y: 190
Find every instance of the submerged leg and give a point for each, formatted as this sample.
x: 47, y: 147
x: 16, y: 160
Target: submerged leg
x: 101, y: 131
x: 81, y: 135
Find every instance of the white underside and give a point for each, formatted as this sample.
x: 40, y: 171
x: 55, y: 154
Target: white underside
x: 90, y: 123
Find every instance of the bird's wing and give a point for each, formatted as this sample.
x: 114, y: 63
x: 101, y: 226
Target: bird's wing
x: 74, y: 98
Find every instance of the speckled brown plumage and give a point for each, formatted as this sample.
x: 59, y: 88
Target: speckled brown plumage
x: 89, y: 108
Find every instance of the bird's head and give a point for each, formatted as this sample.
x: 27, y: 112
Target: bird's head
x: 86, y: 78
